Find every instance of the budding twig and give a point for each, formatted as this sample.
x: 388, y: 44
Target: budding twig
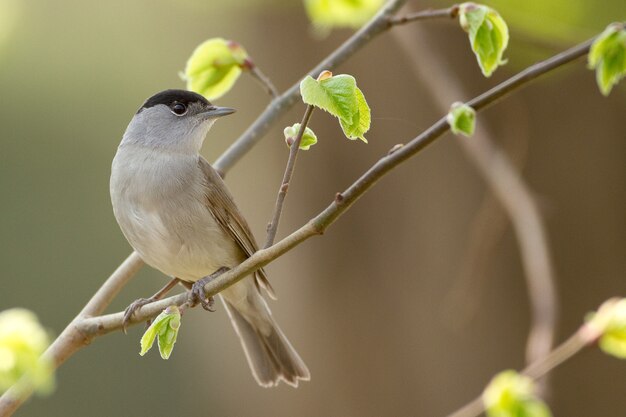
x: 272, y: 227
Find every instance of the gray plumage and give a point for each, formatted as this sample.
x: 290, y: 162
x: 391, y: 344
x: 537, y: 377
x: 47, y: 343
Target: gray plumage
x: 177, y: 213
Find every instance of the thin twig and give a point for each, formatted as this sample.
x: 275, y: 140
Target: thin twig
x: 493, y: 96
x: 263, y: 79
x: 508, y: 186
x: 536, y: 370
x: 272, y: 227
x: 451, y: 12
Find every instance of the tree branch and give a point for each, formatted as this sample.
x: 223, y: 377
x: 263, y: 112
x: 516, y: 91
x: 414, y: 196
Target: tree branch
x: 451, y: 12
x: 272, y: 227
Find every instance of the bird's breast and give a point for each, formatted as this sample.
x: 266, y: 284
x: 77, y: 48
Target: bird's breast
x: 159, y: 202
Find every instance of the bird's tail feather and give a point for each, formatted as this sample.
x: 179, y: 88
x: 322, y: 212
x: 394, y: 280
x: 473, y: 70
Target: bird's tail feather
x: 270, y: 355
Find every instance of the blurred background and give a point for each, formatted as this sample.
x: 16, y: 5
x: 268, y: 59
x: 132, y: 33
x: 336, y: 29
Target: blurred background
x: 373, y: 306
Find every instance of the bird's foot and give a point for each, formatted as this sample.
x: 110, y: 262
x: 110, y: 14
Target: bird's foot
x: 132, y: 308
x: 197, y: 293
x: 137, y: 304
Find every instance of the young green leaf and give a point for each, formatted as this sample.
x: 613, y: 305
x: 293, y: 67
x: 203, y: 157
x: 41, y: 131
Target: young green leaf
x: 608, y: 57
x: 488, y: 35
x: 214, y: 66
x: 327, y: 14
x: 510, y: 394
x: 339, y: 96
x: 361, y: 119
x: 308, y: 137
x: 462, y: 119
x: 22, y: 342
x: 165, y: 329
x: 609, y: 323
x: 336, y: 95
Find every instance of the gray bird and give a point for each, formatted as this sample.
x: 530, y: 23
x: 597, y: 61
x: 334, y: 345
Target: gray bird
x: 177, y: 213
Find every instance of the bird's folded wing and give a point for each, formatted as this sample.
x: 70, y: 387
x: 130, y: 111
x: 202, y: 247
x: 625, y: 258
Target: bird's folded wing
x: 222, y: 206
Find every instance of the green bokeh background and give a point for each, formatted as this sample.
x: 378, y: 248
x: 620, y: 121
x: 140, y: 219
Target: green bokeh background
x: 365, y: 304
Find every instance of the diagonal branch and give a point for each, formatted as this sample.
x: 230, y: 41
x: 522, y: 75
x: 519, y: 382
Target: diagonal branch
x: 451, y: 12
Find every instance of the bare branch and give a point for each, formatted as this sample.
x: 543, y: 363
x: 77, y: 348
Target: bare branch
x: 451, y: 12
x: 272, y: 227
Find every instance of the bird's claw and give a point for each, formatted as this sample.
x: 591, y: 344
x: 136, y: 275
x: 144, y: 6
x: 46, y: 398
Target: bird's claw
x: 197, y: 295
x: 132, y: 308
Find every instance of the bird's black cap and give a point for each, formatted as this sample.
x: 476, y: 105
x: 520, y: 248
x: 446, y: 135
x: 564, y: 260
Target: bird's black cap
x: 168, y: 97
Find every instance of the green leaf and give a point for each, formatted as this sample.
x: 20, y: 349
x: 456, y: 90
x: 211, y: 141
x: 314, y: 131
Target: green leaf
x: 165, y: 329
x: 308, y: 137
x: 609, y: 324
x: 510, y: 394
x: 336, y: 95
x: 608, y: 57
x: 462, y: 119
x: 214, y: 66
x: 327, y: 14
x: 22, y: 342
x: 339, y: 96
x: 361, y: 119
x: 488, y: 35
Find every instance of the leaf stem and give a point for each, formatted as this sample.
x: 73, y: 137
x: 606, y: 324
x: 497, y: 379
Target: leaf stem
x: 272, y: 227
x: 263, y: 79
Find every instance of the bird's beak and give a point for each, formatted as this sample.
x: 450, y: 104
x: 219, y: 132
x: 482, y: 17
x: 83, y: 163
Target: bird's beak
x: 215, y: 112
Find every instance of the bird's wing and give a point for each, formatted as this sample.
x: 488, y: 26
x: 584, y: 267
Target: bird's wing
x: 222, y: 206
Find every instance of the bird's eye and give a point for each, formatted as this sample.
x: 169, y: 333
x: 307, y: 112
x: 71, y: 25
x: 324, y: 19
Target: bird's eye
x: 178, y: 109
